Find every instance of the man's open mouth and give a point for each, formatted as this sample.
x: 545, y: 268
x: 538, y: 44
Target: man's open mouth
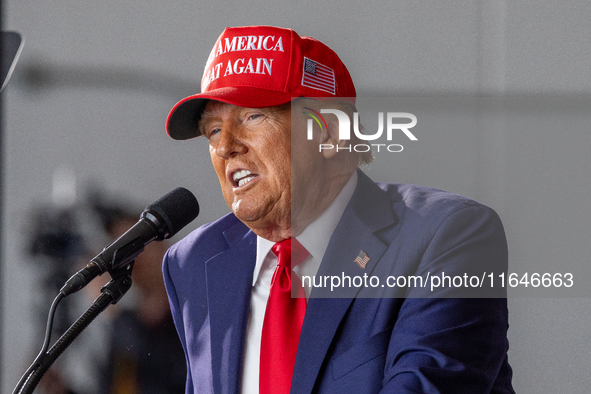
x: 242, y: 177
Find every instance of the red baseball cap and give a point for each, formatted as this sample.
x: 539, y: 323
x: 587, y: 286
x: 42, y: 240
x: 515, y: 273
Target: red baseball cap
x: 261, y: 66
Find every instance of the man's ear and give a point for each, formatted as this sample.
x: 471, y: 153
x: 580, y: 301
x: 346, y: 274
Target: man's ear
x: 330, y: 138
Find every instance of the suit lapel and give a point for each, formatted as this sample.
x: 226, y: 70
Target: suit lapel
x: 368, y: 211
x: 229, y: 285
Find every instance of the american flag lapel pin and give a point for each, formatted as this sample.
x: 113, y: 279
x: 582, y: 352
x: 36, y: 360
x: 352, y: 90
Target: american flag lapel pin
x: 362, y: 259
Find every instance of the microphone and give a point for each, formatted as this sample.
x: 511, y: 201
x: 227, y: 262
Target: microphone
x: 160, y: 220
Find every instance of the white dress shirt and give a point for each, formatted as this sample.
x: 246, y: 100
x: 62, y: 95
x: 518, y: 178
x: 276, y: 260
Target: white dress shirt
x: 314, y: 238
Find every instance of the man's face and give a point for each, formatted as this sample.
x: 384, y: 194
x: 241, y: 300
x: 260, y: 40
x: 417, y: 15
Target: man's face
x: 250, y: 151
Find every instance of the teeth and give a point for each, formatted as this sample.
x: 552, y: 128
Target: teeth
x: 244, y: 181
x: 242, y: 177
x: 241, y: 174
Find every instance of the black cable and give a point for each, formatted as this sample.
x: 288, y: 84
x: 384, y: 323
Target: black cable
x: 65, y: 340
x: 43, y: 352
x: 111, y: 293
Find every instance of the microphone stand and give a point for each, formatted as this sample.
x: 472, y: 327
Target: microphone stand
x: 111, y: 293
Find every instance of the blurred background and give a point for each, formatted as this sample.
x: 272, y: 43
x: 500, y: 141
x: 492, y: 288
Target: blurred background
x: 501, y: 90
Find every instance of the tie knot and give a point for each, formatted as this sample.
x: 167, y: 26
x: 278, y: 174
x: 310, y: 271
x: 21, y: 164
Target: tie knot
x: 290, y: 252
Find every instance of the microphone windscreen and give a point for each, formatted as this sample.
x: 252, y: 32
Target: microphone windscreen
x: 176, y: 208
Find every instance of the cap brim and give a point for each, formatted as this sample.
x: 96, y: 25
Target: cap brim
x: 183, y: 119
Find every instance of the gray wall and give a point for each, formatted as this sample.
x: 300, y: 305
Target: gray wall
x: 108, y: 72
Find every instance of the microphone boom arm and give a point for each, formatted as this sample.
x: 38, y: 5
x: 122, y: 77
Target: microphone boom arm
x: 111, y: 293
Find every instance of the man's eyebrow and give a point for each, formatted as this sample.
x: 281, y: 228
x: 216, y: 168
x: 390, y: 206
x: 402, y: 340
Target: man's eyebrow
x: 206, y: 116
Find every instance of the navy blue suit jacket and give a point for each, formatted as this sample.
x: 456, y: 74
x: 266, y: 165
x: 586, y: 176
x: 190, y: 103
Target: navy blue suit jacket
x: 358, y: 343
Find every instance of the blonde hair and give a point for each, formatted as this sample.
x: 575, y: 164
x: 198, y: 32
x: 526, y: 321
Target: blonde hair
x: 349, y: 108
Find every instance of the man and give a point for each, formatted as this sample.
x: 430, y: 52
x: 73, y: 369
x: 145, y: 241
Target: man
x: 223, y: 280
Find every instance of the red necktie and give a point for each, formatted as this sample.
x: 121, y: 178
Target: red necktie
x: 283, y: 320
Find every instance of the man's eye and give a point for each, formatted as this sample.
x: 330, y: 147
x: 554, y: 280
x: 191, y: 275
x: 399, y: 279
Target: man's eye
x: 255, y: 116
x: 213, y: 132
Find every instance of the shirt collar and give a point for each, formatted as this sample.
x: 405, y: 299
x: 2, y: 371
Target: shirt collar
x: 316, y: 235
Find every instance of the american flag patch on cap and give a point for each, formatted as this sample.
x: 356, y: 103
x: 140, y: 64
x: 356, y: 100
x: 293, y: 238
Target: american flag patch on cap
x: 318, y: 76
x: 362, y: 259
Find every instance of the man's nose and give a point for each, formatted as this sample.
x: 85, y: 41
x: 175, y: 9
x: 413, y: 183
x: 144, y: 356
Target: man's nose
x: 229, y: 143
